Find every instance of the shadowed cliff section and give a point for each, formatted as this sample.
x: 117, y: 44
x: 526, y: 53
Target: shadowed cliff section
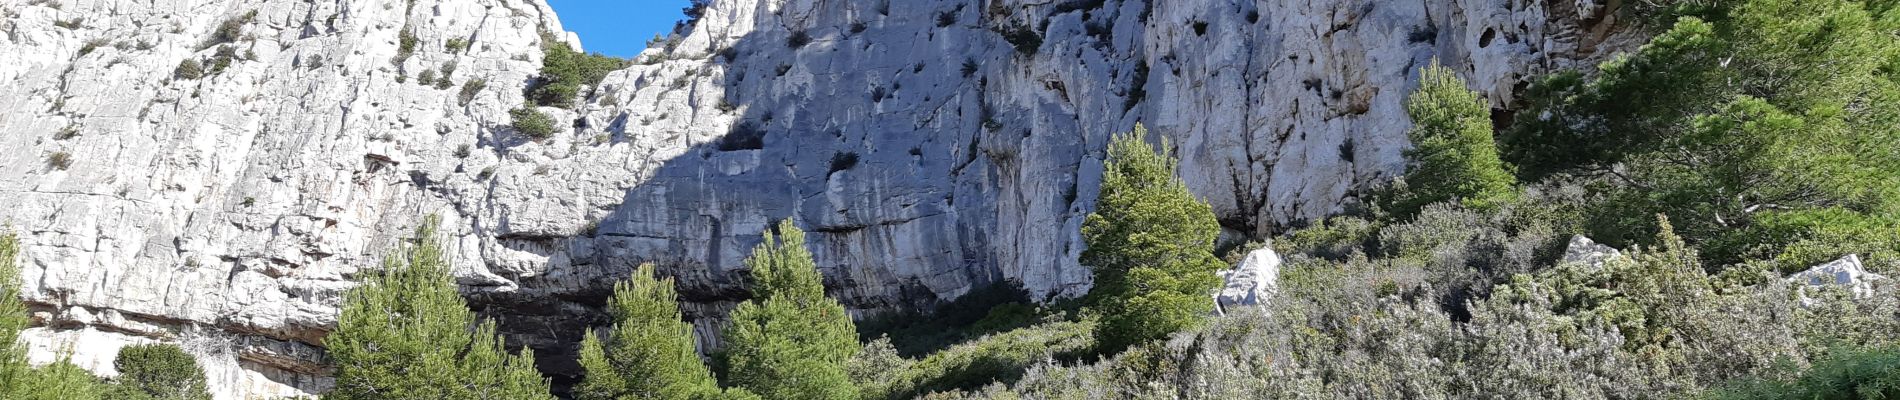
x: 933, y: 147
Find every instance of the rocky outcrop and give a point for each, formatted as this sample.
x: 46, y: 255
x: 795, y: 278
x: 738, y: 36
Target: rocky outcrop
x: 1252, y: 283
x: 930, y: 146
x: 1846, y: 273
x: 1583, y: 251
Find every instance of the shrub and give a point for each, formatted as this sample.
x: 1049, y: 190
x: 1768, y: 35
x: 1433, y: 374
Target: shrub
x: 745, y: 136
x: 798, y: 39
x: 983, y: 311
x: 405, y: 45
x: 1151, y: 246
x: 470, y: 89
x: 1849, y: 373
x: 790, y: 341
x: 158, y: 372
x: 564, y: 71
x: 843, y: 160
x: 229, y: 31
x: 455, y: 45
x: 1001, y: 357
x: 221, y: 59
x: 406, y: 333
x: 1025, y: 39
x: 59, y: 160
x: 188, y: 69
x: 532, y: 123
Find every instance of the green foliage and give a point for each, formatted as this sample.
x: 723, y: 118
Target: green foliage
x: 1851, y: 373
x: 532, y: 123
x: 564, y: 71
x: 650, y: 353
x: 982, y: 311
x: 1151, y: 246
x: 407, y: 334
x: 158, y: 372
x: 455, y: 45
x: 470, y: 89
x: 189, y: 69
x: 221, y: 59
x: 1751, y: 112
x: 18, y: 379
x: 406, y: 43
x: 229, y: 31
x: 790, y: 341
x: 1453, y: 154
x: 13, y: 318
x: 1001, y: 357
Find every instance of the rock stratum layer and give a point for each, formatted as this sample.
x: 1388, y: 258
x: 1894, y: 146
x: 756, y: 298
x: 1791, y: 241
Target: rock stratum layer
x: 930, y: 146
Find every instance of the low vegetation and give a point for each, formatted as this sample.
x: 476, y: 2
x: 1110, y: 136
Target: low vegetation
x: 532, y: 123
x: 565, y: 71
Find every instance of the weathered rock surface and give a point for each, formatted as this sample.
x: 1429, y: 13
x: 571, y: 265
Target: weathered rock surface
x: 1845, y: 273
x: 1253, y: 282
x: 1581, y: 250
x: 931, y: 146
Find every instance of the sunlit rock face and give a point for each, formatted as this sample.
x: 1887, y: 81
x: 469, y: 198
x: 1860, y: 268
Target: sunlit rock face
x: 929, y: 146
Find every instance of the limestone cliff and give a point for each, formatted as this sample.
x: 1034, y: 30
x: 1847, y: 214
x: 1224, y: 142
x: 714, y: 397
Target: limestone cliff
x: 931, y: 146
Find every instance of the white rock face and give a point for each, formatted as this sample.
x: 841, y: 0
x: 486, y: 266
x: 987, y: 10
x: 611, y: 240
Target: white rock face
x: 1846, y: 273
x: 1253, y: 282
x: 930, y: 146
x: 1584, y: 251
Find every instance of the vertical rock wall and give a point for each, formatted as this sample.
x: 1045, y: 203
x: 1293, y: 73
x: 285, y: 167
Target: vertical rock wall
x: 930, y: 146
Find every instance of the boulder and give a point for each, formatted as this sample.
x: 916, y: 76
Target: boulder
x: 1582, y: 250
x: 1846, y: 272
x: 1253, y: 282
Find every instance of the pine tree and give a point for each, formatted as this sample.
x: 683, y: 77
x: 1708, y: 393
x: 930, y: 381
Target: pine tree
x: 1151, y: 246
x: 407, y: 334
x: 158, y: 372
x: 1453, y: 154
x: 650, y: 354
x: 790, y: 342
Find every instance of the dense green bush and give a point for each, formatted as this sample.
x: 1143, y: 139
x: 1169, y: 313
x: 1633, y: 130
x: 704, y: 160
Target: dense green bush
x: 1741, y: 114
x: 532, y: 123
x: 406, y: 333
x: 1151, y: 246
x: 1848, y: 373
x: 158, y: 372
x: 1000, y: 357
x: 982, y: 311
x: 1453, y: 155
x: 650, y: 352
x: 790, y: 341
x: 189, y: 69
x: 564, y: 71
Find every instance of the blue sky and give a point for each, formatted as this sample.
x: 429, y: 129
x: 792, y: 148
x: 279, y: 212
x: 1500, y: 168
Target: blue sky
x: 618, y: 27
